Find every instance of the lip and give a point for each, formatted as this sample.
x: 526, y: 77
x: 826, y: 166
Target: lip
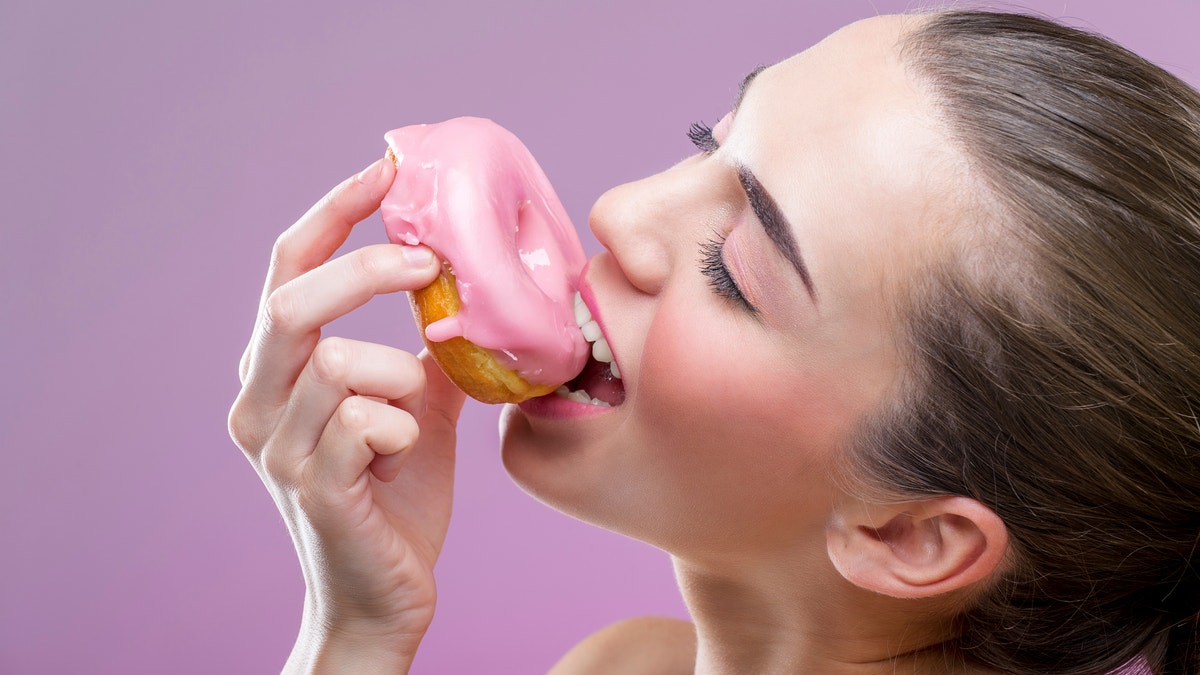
x: 554, y: 406
x: 589, y: 299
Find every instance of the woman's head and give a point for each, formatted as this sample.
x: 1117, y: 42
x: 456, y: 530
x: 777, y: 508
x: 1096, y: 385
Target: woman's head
x: 745, y: 367
x: 1055, y: 356
x: 984, y: 287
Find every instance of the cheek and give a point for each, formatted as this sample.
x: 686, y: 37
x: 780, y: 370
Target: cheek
x: 724, y: 378
x: 742, y: 434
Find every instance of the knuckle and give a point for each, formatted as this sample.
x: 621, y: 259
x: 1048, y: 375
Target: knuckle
x: 282, y: 249
x: 278, y: 467
x: 372, y: 263
x: 279, y: 311
x: 396, y: 434
x: 353, y: 414
x: 334, y: 200
x: 331, y: 360
x: 243, y: 429
x: 245, y: 363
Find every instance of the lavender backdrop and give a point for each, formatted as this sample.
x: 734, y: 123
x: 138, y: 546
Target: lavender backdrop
x: 150, y: 152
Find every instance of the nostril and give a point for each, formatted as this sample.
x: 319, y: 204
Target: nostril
x: 646, y: 266
x: 625, y: 226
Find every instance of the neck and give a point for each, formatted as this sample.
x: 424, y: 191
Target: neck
x: 800, y: 616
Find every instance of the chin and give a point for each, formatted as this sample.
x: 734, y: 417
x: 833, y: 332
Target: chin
x: 572, y: 467
x: 544, y: 459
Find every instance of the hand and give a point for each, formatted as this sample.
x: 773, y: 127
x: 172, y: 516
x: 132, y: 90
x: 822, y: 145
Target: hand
x: 355, y: 441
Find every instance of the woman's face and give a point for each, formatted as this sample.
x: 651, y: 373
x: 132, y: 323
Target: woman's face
x: 820, y: 203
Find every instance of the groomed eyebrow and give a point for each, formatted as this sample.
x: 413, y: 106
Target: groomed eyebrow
x: 779, y: 230
x: 746, y: 85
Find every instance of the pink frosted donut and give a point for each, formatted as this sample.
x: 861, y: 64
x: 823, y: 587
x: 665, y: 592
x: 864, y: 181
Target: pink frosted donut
x: 500, y: 319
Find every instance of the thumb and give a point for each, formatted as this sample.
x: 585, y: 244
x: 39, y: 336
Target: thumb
x: 445, y: 399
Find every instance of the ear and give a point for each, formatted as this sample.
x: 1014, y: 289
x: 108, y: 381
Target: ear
x: 916, y: 549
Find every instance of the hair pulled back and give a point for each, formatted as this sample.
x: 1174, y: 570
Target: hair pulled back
x: 1055, y: 371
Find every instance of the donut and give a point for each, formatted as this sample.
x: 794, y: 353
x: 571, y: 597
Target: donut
x: 499, y: 320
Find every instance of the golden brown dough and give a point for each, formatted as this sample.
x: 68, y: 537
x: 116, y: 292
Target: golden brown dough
x: 469, y: 366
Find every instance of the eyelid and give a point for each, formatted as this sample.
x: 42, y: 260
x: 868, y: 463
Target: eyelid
x: 720, y: 130
x: 776, y: 225
x: 720, y: 278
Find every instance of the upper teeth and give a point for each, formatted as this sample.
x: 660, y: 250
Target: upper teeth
x: 591, y: 332
x: 600, y: 351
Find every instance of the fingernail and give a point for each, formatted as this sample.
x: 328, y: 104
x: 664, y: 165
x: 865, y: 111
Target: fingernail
x: 418, y: 256
x: 371, y: 174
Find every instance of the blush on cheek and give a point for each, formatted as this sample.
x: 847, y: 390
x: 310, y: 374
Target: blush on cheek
x: 685, y: 366
x: 710, y: 382
x: 741, y: 450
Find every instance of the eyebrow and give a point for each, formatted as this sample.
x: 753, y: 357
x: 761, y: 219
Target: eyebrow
x: 779, y: 230
x: 746, y: 85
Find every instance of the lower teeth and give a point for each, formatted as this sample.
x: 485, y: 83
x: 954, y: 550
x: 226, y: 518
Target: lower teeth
x: 580, y: 396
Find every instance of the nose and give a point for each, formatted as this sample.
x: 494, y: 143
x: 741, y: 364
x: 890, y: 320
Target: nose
x: 650, y: 224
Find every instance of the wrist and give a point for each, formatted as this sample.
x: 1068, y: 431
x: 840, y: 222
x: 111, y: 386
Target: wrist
x: 324, y: 647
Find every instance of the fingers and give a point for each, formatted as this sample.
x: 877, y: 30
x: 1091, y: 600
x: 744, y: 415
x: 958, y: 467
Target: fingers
x: 320, y: 231
x: 317, y: 235
x: 340, y: 369
x: 290, y: 324
x: 331, y: 290
x: 361, y: 433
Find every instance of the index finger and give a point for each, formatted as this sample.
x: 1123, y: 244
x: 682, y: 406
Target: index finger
x: 314, y: 238
x: 324, y: 227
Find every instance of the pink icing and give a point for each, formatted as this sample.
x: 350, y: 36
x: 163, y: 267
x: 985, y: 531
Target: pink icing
x: 470, y: 190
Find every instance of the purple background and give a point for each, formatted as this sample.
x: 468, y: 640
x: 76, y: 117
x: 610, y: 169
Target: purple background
x: 151, y: 152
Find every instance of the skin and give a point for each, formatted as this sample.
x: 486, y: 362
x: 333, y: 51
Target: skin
x: 847, y: 174
x: 847, y: 158
x: 723, y: 451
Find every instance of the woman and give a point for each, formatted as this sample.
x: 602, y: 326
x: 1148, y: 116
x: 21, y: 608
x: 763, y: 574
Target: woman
x: 909, y: 354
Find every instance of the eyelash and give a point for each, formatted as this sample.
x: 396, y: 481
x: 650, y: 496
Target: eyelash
x: 712, y: 260
x: 701, y: 136
x: 712, y: 265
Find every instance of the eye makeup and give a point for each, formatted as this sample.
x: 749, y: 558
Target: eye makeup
x: 778, y: 229
x: 712, y: 265
x: 766, y: 210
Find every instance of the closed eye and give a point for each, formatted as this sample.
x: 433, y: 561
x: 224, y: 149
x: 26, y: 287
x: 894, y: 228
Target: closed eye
x: 712, y: 265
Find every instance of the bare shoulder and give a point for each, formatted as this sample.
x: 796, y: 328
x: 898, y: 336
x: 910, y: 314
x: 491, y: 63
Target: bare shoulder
x: 642, y: 646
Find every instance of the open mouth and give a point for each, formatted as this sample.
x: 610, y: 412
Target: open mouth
x: 600, y: 382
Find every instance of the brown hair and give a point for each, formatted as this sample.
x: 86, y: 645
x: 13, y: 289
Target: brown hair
x: 1055, y: 371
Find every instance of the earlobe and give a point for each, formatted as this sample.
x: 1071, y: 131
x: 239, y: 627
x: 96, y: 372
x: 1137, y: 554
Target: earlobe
x: 917, y: 549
